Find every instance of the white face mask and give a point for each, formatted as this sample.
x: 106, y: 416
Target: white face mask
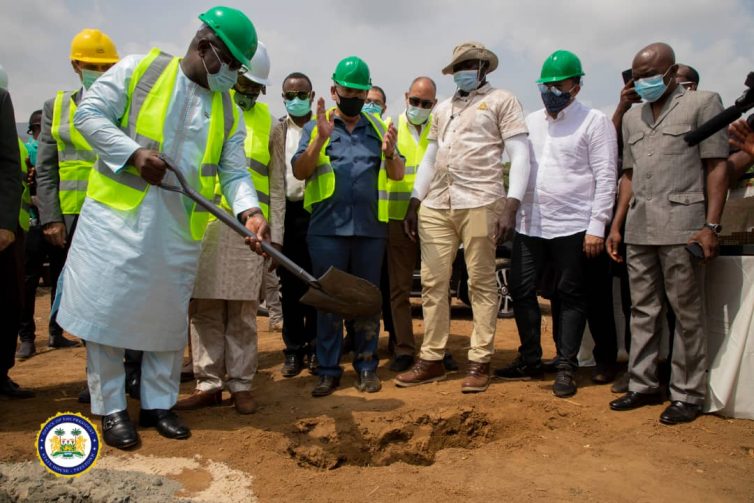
x: 417, y: 115
x: 224, y: 79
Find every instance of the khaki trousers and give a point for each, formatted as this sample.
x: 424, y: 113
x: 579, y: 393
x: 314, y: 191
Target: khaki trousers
x: 401, y: 260
x: 224, y: 343
x: 440, y: 233
x: 652, y: 269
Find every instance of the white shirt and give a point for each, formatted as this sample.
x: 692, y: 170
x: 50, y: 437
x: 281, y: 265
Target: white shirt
x: 572, y: 180
x: 294, y: 188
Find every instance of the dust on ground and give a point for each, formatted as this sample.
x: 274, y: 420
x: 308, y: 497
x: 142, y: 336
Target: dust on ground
x: 515, y: 442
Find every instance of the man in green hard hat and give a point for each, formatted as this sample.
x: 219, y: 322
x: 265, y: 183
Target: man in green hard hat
x: 563, y: 219
x: 346, y: 157
x: 131, y: 269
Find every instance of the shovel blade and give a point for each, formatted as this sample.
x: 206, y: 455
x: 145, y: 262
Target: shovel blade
x: 344, y: 294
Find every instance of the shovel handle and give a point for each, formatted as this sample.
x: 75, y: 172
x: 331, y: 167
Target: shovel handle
x: 237, y: 226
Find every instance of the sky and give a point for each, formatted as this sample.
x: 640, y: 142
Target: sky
x: 399, y: 39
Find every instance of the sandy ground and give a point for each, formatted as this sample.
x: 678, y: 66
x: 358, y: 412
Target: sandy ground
x: 516, y: 442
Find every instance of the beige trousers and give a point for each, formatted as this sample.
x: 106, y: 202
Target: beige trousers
x: 440, y: 234
x: 224, y: 343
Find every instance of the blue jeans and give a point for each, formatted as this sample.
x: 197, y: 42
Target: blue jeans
x: 362, y: 257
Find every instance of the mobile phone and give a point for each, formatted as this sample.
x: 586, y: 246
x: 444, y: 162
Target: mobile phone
x: 696, y: 251
x: 627, y: 75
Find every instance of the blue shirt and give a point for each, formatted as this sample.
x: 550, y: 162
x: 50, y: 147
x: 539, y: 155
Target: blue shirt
x: 355, y: 159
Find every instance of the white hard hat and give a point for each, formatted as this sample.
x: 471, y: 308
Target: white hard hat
x: 3, y: 78
x: 260, y: 66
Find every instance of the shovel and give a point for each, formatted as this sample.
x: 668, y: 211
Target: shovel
x: 335, y: 292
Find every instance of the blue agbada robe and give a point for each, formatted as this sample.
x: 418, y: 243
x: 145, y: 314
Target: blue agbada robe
x: 129, y: 274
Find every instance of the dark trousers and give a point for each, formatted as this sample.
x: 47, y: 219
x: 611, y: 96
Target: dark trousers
x: 598, y: 282
x: 362, y: 257
x: 299, y: 320
x: 37, y: 251
x: 530, y: 256
x: 11, y: 301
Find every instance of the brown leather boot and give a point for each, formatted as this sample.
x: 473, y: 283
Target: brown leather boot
x: 200, y: 399
x: 423, y: 372
x: 477, y: 378
x: 244, y: 402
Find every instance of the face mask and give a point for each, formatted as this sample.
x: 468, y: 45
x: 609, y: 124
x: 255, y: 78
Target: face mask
x: 351, y: 107
x: 417, y: 116
x: 88, y: 77
x: 651, y: 89
x: 31, y: 148
x: 245, y: 101
x: 297, y: 107
x: 224, y: 79
x: 466, y: 80
x: 372, y: 108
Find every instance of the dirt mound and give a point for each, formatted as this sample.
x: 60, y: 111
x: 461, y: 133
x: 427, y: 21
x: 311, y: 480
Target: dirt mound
x: 384, y: 440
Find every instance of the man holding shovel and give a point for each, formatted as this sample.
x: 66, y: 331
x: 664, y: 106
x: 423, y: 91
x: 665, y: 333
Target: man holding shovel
x: 131, y: 267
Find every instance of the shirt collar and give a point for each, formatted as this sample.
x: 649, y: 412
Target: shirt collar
x: 292, y: 124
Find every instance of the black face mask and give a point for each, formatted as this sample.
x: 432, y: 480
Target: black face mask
x: 350, y: 107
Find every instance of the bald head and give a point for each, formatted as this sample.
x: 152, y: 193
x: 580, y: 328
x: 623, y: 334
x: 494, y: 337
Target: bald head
x: 659, y: 56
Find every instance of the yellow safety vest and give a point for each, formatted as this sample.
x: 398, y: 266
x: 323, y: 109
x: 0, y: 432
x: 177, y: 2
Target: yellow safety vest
x: 399, y: 191
x: 23, y: 212
x: 144, y: 121
x: 321, y: 184
x: 258, y: 122
x: 75, y: 156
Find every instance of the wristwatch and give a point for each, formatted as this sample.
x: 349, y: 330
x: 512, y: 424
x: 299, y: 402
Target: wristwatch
x: 255, y: 211
x: 716, y: 228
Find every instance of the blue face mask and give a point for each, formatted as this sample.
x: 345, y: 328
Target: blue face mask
x: 554, y: 99
x: 31, y: 148
x: 417, y: 116
x: 466, y: 80
x: 224, y: 79
x: 298, y: 107
x: 89, y: 76
x: 652, y: 88
x: 372, y: 108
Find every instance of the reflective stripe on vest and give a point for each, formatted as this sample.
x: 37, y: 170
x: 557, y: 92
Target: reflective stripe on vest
x: 149, y: 95
x: 23, y: 212
x: 75, y: 156
x: 321, y: 184
x: 399, y: 191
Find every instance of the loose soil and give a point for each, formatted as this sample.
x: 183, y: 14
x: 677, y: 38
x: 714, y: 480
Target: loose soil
x: 515, y: 442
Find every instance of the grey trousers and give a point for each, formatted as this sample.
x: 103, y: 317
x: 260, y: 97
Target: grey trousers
x: 650, y: 270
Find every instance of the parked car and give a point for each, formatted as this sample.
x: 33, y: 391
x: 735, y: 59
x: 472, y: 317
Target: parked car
x: 459, y: 280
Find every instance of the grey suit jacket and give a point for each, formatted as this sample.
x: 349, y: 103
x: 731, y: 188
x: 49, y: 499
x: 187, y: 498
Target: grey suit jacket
x: 668, y: 205
x: 48, y: 175
x: 10, y: 169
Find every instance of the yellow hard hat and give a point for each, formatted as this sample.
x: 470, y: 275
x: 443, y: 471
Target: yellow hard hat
x: 92, y: 46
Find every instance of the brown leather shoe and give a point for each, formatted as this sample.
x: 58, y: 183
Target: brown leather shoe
x: 477, y: 378
x: 423, y: 372
x: 244, y: 402
x: 200, y: 399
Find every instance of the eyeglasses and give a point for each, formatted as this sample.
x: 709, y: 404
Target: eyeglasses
x: 418, y: 102
x: 302, y: 95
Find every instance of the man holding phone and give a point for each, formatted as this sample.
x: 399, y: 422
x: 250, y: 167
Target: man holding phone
x: 671, y: 195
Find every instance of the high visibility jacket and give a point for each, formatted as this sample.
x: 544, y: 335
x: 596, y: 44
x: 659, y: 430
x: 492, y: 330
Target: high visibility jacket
x: 75, y: 156
x: 399, y: 191
x: 321, y: 184
x: 258, y: 122
x: 144, y: 121
x: 23, y: 213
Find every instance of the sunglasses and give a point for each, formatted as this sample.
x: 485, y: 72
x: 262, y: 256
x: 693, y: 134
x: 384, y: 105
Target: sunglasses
x: 302, y: 95
x: 417, y: 102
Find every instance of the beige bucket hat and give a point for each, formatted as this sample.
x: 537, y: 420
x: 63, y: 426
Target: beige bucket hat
x: 471, y: 50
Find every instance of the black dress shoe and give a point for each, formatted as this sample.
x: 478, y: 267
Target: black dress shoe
x: 292, y: 365
x: 167, y: 422
x: 680, y: 412
x: 634, y: 400
x: 26, y: 350
x: 368, y: 381
x: 401, y: 363
x: 58, y: 341
x: 11, y: 390
x: 449, y: 363
x: 118, y: 430
x: 325, y: 386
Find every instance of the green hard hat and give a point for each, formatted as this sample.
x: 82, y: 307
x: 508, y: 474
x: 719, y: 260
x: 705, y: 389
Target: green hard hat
x: 560, y: 65
x: 235, y: 30
x: 352, y: 72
